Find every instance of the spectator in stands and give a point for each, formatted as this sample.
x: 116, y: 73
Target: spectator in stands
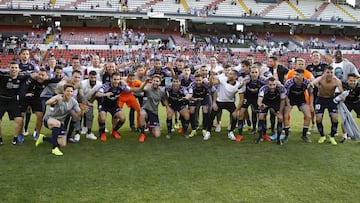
x: 333, y: 39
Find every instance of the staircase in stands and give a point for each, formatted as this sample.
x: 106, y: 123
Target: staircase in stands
x: 71, y: 4
x: 148, y: 4
x: 319, y: 10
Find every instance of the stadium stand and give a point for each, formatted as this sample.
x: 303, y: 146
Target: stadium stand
x: 333, y: 13
x: 307, y: 7
x: 353, y: 13
x: 283, y: 10
x: 257, y: 8
x: 168, y: 6
x: 319, y: 10
x: 25, y: 4
x: 66, y: 4
x: 225, y: 8
x: 95, y: 5
x: 142, y: 6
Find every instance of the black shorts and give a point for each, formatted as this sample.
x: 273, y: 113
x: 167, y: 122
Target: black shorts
x: 112, y: 110
x: 355, y: 107
x: 11, y: 107
x: 33, y: 102
x: 248, y: 102
x: 177, y: 107
x: 325, y: 103
x: 229, y: 106
x: 152, y: 118
x: 274, y: 108
x: 204, y: 102
x: 299, y: 104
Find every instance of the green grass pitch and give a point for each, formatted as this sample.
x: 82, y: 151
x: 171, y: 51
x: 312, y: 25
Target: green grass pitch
x: 180, y: 170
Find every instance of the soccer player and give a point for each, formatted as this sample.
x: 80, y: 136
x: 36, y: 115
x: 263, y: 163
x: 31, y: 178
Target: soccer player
x: 25, y: 65
x: 271, y: 98
x: 248, y: 96
x: 110, y: 93
x: 130, y: 100
x: 296, y: 87
x: 164, y: 72
x: 62, y: 105
x: 9, y: 99
x: 326, y: 85
x: 95, y: 66
x: 217, y: 69
x: 317, y: 68
x: 150, y: 112
x: 300, y: 64
x: 49, y: 90
x: 88, y: 89
x: 204, y: 73
x: 279, y: 72
x: 244, y: 73
x: 186, y: 78
x: 214, y: 66
x: 75, y: 120
x: 75, y: 65
x: 179, y: 66
x: 139, y: 75
x: 108, y: 70
x: 251, y: 59
x: 50, y: 67
x: 352, y: 101
x: 177, y: 96
x: 200, y: 91
x: 228, y: 87
x: 30, y: 91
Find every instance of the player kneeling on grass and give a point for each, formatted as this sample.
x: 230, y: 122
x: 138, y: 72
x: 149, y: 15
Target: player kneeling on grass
x: 177, y: 96
x: 295, y: 89
x: 271, y: 97
x: 61, y: 106
x: 153, y: 95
